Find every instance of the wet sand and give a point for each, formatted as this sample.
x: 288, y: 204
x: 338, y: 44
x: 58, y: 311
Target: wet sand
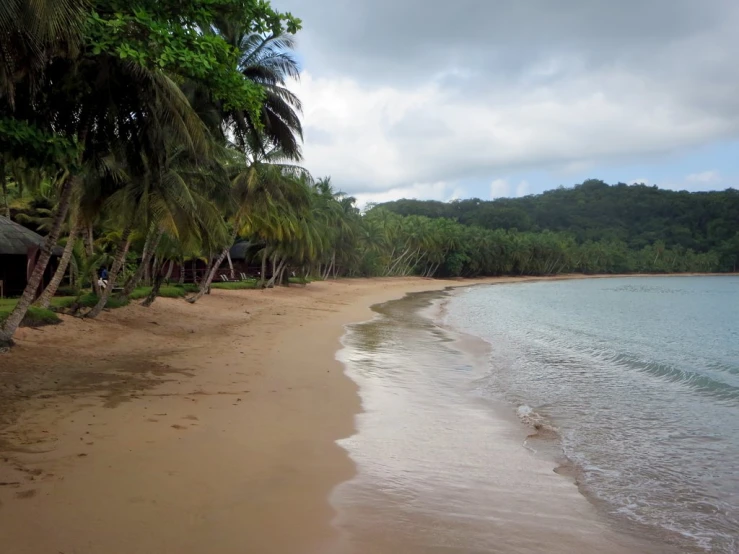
x: 184, y: 429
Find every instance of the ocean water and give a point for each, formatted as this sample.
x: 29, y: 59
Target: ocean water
x: 444, y: 463
x: 636, y: 381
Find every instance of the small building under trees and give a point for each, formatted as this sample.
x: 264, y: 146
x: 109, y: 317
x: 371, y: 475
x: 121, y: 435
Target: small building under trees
x: 19, y: 251
x: 244, y: 256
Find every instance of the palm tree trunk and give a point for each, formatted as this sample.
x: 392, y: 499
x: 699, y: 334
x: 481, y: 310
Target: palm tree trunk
x: 181, y: 280
x: 205, y: 284
x: 118, y: 261
x: 4, y: 184
x: 29, y: 293
x: 152, y: 243
x: 90, y: 249
x: 158, y: 279
x: 275, y: 274
x: 397, y: 261
x: 230, y: 264
x: 169, y: 271
x: 211, y: 272
x: 45, y: 299
x: 151, y: 271
x: 264, y: 267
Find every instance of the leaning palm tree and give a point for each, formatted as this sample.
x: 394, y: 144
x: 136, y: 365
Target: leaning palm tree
x: 176, y: 200
x: 126, y: 113
x: 265, y: 192
x: 268, y: 62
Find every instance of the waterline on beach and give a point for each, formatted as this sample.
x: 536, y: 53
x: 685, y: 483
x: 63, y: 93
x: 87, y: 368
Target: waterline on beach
x: 638, y: 378
x: 440, y: 469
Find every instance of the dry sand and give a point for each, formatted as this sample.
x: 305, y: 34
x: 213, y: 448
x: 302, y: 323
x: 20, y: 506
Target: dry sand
x: 184, y: 428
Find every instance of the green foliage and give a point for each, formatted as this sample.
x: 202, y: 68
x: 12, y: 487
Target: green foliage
x: 35, y: 317
x: 170, y: 36
x: 67, y: 290
x: 88, y: 300
x: 637, y: 215
x: 23, y: 140
x: 236, y: 285
x: 165, y: 292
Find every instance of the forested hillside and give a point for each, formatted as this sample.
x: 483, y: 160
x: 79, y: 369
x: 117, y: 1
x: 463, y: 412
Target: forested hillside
x: 638, y: 215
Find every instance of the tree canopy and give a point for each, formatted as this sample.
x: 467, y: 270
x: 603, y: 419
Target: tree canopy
x: 636, y: 215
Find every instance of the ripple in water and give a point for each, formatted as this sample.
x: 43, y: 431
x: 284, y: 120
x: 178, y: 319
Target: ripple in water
x: 640, y: 377
x: 442, y: 470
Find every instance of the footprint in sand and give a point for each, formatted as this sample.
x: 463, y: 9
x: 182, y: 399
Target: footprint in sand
x: 26, y: 494
x: 179, y: 427
x: 191, y: 417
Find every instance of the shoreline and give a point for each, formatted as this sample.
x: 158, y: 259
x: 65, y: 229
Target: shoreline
x: 219, y: 417
x: 184, y: 428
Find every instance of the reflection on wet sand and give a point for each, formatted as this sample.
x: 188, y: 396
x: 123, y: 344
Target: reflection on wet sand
x: 439, y: 469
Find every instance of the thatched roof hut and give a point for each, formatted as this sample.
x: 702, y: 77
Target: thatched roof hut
x: 19, y: 248
x: 15, y: 240
x: 242, y: 250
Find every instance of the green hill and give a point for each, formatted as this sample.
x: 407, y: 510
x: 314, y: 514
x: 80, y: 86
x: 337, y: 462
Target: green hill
x: 638, y: 215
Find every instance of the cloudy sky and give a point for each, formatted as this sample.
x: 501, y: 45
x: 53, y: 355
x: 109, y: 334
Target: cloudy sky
x: 490, y: 98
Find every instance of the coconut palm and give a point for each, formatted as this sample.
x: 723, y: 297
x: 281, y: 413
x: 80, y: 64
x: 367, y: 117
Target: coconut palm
x: 267, y: 196
x: 30, y: 34
x: 268, y: 62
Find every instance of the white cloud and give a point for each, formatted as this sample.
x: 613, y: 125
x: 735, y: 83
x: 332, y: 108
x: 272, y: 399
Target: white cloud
x: 421, y: 191
x: 499, y: 189
x: 511, y: 87
x: 704, y: 177
x: 377, y: 139
x: 704, y: 180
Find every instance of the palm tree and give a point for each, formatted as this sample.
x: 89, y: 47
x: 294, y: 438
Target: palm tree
x: 174, y: 196
x: 127, y: 113
x: 30, y: 34
x: 268, y: 62
x: 267, y: 195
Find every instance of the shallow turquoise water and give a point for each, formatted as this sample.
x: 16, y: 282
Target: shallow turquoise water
x: 640, y: 379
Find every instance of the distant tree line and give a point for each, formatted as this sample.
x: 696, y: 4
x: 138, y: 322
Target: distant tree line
x: 613, y: 228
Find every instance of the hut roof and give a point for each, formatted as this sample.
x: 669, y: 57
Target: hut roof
x: 16, y: 239
x: 240, y: 250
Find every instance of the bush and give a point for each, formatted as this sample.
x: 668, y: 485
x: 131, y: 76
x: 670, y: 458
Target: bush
x: 38, y: 317
x: 88, y: 300
x: 236, y: 285
x: 139, y: 293
x: 35, y: 317
x: 172, y: 292
x: 67, y: 291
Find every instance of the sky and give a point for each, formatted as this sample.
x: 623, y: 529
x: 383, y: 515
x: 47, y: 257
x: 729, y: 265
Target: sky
x: 433, y: 99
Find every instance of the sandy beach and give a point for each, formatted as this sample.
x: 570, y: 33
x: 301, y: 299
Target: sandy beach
x: 184, y: 428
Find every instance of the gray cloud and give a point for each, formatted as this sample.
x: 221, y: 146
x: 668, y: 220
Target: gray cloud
x: 389, y: 40
x: 443, y: 91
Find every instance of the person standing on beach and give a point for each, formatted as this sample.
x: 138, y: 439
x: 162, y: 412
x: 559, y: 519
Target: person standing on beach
x: 103, y: 281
